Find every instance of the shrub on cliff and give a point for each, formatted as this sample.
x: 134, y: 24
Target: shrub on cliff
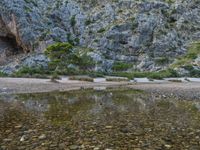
x: 65, y: 58
x: 59, y: 54
x: 2, y: 74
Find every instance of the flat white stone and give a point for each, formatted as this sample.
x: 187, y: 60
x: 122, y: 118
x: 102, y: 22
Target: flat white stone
x: 96, y: 80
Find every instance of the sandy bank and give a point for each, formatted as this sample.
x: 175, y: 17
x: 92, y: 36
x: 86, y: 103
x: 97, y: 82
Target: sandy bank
x: 30, y: 85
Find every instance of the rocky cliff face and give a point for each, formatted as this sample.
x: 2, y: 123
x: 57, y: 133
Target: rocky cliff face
x: 149, y: 35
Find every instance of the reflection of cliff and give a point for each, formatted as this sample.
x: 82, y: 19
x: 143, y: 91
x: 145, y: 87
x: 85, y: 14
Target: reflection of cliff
x: 118, y: 103
x: 62, y: 107
x: 101, y: 106
x: 12, y: 113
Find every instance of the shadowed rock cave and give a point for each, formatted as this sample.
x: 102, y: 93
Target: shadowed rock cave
x: 8, y: 49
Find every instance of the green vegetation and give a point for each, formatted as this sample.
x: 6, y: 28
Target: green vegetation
x: 3, y: 74
x: 101, y: 30
x: 31, y: 1
x: 67, y: 59
x: 187, y: 60
x: 192, y: 53
x: 121, y: 66
x: 31, y: 72
x: 81, y: 78
x: 73, y: 21
x: 55, y: 77
x: 134, y: 24
x: 192, y: 71
x: 88, y: 22
x: 170, y: 1
x: 116, y: 79
x: 175, y: 80
x: 94, y: 74
x: 150, y: 75
x: 59, y: 53
x: 162, y: 60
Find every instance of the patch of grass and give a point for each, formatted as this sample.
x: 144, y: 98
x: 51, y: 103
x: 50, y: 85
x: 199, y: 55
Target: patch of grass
x: 193, y: 72
x: 192, y: 53
x: 95, y: 74
x: 163, y: 74
x: 101, y: 30
x: 81, y: 78
x: 115, y: 79
x: 32, y: 73
x: 151, y: 75
x: 121, y: 66
x: 174, y: 80
x: 162, y: 60
x: 3, y: 74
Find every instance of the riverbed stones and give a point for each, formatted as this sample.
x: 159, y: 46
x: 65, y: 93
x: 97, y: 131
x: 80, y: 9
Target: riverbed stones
x: 42, y: 137
x: 152, y: 123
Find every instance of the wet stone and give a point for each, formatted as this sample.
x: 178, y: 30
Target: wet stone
x: 42, y: 137
x: 168, y: 146
x: 73, y: 147
x: 23, y: 138
x: 7, y: 140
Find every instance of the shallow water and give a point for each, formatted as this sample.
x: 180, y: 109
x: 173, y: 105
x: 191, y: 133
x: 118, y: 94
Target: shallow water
x: 98, y: 119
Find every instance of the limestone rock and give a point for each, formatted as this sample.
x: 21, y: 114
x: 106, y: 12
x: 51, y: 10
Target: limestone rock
x: 136, y: 32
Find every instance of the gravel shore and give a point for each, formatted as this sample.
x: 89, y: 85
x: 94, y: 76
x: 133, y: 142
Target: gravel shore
x: 185, y: 90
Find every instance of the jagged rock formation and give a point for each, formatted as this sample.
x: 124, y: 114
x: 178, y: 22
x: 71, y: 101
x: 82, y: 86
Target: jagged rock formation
x: 147, y: 34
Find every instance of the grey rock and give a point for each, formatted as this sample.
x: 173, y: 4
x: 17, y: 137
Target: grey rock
x: 197, y: 61
x: 182, y: 72
x: 126, y: 31
x: 37, y: 60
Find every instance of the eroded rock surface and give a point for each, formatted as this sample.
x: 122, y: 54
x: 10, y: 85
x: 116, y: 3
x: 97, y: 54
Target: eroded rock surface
x: 142, y: 33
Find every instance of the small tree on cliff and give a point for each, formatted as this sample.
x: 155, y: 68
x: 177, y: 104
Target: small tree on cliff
x: 59, y: 54
x: 62, y: 55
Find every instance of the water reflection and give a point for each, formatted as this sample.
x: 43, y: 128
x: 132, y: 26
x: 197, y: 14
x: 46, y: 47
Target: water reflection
x: 111, y: 118
x: 69, y: 106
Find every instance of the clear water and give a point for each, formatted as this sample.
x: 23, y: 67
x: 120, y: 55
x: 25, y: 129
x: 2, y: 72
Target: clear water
x: 93, y: 119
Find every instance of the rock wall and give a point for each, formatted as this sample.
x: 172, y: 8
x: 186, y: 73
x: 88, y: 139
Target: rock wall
x: 141, y: 33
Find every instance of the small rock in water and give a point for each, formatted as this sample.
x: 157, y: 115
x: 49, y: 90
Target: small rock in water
x: 22, y: 139
x: 42, y: 137
x: 3, y: 147
x: 73, y: 147
x: 124, y: 130
x: 7, y: 140
x: 96, y: 148
x: 168, y: 146
x: 109, y: 127
x: 18, y: 126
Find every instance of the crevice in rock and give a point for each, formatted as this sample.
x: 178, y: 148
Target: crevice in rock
x: 8, y: 49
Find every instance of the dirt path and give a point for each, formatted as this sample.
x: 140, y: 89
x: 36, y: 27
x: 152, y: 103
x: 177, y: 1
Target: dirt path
x: 189, y: 90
